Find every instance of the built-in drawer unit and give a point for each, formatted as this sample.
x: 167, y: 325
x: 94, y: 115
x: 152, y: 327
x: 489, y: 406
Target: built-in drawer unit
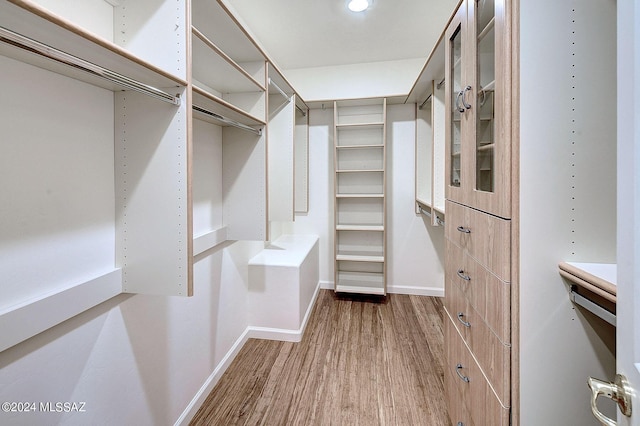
x: 469, y: 394
x: 491, y: 354
x: 485, y: 237
x: 486, y: 293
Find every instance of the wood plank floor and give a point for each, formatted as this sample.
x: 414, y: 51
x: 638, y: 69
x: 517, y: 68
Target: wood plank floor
x: 362, y: 361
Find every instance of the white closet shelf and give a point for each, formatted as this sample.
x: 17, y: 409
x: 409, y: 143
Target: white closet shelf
x: 372, y: 125
x: 360, y: 282
x: 359, y: 257
x: 354, y: 227
x: 33, y: 21
x: 485, y: 147
x: 214, y: 68
x: 360, y: 171
x: 217, y: 22
x: 423, y: 202
x: 206, y: 100
x: 359, y: 146
x: 439, y: 209
x: 359, y: 195
x: 598, y: 278
x: 490, y: 87
x: 487, y: 29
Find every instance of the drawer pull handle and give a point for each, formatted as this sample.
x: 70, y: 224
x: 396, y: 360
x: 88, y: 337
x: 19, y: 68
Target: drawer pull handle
x: 464, y: 230
x: 464, y: 276
x: 460, y: 424
x: 464, y: 92
x: 465, y: 323
x: 462, y: 376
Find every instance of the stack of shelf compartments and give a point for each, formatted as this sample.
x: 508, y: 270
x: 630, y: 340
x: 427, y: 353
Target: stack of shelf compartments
x: 359, y: 159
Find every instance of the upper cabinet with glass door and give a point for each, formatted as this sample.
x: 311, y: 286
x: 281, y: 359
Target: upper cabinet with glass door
x: 479, y: 107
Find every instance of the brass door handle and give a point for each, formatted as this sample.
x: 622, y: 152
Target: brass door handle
x: 619, y: 391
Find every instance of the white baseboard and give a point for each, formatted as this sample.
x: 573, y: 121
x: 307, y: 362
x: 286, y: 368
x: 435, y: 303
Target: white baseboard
x: 191, y: 410
x: 416, y: 291
x: 249, y: 333
x: 327, y: 285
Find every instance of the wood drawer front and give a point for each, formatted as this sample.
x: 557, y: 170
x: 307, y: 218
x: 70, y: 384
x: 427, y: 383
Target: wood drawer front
x: 479, y: 404
x: 456, y: 398
x: 488, y: 295
x: 485, y: 237
x: 491, y: 354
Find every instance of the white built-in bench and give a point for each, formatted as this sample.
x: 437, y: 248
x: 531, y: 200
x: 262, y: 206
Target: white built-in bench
x: 283, y: 285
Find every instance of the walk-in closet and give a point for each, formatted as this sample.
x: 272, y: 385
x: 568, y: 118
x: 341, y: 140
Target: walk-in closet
x: 337, y: 212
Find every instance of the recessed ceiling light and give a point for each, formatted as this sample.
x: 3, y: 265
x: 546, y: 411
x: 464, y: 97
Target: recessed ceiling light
x: 358, y: 5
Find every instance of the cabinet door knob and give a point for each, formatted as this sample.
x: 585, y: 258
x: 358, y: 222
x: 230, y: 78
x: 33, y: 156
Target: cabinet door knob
x: 464, y: 230
x: 462, y: 376
x: 466, y: 105
x: 465, y: 323
x: 464, y: 276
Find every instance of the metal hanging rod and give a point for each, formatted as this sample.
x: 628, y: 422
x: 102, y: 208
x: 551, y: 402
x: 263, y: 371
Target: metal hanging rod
x: 592, y: 307
x: 33, y: 46
x: 424, y: 212
x: 439, y: 85
x: 227, y: 120
x: 425, y: 101
x: 282, y: 92
x: 304, y: 113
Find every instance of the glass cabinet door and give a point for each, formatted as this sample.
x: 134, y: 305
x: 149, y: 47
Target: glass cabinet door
x: 456, y: 112
x: 485, y: 95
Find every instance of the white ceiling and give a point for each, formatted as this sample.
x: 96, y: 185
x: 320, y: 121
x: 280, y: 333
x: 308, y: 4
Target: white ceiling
x: 317, y: 33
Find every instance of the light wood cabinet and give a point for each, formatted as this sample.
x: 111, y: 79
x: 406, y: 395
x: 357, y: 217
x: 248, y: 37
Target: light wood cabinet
x: 360, y: 200
x: 470, y: 397
x: 477, y: 98
x: 478, y: 230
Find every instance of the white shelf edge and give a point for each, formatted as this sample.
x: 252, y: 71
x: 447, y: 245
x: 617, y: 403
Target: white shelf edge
x: 22, y: 321
x: 359, y: 195
x: 357, y: 289
x: 209, y: 240
x: 367, y: 146
x: 356, y: 125
x: 360, y: 258
x: 360, y: 171
x: 379, y: 228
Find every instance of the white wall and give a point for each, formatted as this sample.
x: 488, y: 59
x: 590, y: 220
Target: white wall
x: 415, y: 248
x: 567, y: 202
x: 373, y: 79
x: 134, y: 359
